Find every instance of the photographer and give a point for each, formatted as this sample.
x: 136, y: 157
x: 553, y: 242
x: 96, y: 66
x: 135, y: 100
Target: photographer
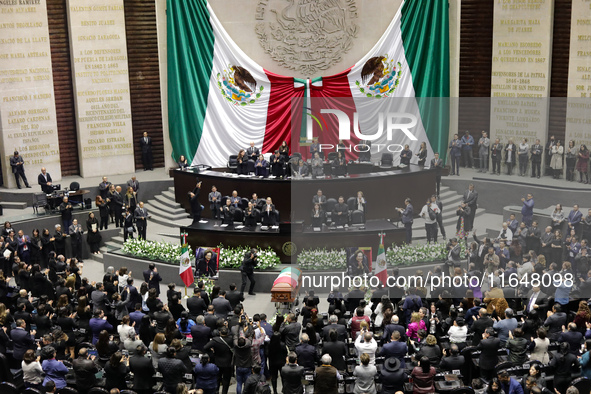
x: 247, y: 271
x: 454, y: 250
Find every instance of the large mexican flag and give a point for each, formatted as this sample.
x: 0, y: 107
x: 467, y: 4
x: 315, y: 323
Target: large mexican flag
x: 220, y: 100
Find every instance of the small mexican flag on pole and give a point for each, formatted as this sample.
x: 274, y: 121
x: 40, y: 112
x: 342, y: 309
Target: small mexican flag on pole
x: 381, y: 271
x: 185, y: 268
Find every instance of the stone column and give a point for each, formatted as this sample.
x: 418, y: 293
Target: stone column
x: 27, y: 103
x: 101, y: 86
x: 520, y: 83
x: 578, y: 112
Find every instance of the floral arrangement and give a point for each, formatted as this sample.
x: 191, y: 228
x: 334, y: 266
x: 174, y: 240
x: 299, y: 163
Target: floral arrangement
x: 163, y: 251
x: 322, y: 259
x: 411, y: 254
x: 232, y: 257
x: 208, y: 283
x: 171, y: 253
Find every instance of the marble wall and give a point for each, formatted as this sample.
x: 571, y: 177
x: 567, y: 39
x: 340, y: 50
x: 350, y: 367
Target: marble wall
x: 101, y: 86
x: 522, y: 46
x: 27, y: 104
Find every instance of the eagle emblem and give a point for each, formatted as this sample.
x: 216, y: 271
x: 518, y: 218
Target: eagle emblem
x: 238, y: 86
x: 307, y: 35
x: 380, y: 76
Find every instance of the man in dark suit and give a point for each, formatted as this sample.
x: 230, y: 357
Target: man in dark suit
x: 336, y: 349
x: 573, y: 337
x: 222, y: 305
x: 18, y: 169
x: 136, y: 317
x: 353, y: 298
x: 489, y: 347
x: 277, y: 165
x: 341, y: 330
x: 292, y: 375
x: 99, y: 298
x: 252, y: 152
x: 143, y: 371
x: 536, y: 159
x: 141, y: 220
x: 221, y: 348
x: 22, y: 340
x: 196, y: 305
x: 66, y: 212
x: 130, y: 295
x: 437, y: 164
x: 290, y: 331
x: 104, y: 187
x: 480, y: 325
x: 134, y: 184
x: 471, y: 199
x: 147, y: 158
x: 536, y: 299
x: 117, y: 205
x: 234, y: 296
x: 152, y: 277
x: 196, y: 206
x: 247, y: 271
x: 554, y: 322
x: 394, y: 326
x: 395, y: 349
x: 453, y: 360
x: 85, y: 370
x: 407, y: 220
x: 201, y: 334
x: 44, y: 179
x: 340, y: 213
x: 307, y: 354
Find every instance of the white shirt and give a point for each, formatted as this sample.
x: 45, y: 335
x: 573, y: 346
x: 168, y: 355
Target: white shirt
x: 425, y: 213
x: 366, y: 347
x: 508, y: 236
x: 457, y: 334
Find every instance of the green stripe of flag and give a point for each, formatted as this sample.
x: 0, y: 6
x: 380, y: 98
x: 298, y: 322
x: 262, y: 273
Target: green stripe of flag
x: 190, y: 60
x: 425, y: 35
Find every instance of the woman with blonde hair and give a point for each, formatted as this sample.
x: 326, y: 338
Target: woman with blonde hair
x: 431, y: 350
x: 158, y: 348
x: 414, y: 326
x: 130, y: 200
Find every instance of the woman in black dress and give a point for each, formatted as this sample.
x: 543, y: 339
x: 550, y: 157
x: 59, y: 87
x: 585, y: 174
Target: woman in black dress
x: 556, y: 245
x: 340, y: 164
x: 250, y: 217
x: 130, y: 200
x: 242, y: 160
x: 36, y: 247
x: 284, y: 151
x: 94, y: 236
x: 422, y: 154
x: 46, y: 247
x: 103, y: 212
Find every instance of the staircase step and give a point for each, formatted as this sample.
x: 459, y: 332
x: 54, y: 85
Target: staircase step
x: 170, y: 222
x: 113, y: 244
x: 171, y: 189
x: 14, y: 205
x: 168, y: 194
x: 155, y: 206
x: 166, y: 201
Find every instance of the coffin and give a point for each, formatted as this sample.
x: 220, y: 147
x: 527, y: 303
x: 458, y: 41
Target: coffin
x: 287, y: 285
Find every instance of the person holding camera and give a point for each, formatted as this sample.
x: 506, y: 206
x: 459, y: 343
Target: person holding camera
x: 196, y: 207
x: 247, y: 271
x: 463, y: 213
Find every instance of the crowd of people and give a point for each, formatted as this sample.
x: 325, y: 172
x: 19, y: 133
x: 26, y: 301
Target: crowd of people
x: 495, y: 338
x: 556, y: 156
